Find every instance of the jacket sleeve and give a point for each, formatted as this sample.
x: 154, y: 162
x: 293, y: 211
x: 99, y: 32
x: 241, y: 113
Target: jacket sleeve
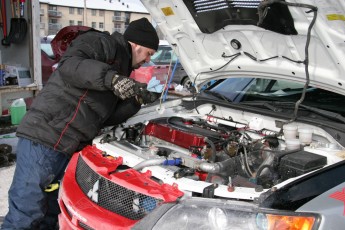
x: 123, y: 110
x: 85, y: 62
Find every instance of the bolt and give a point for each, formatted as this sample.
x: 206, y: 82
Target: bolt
x: 231, y: 187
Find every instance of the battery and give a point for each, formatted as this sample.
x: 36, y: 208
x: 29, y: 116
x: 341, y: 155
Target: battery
x: 299, y: 163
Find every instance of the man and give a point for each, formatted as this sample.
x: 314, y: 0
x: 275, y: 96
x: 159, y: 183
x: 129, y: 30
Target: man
x: 90, y: 89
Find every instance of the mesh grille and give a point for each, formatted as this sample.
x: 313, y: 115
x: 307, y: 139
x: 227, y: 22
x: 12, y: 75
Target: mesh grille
x: 113, y: 197
x: 84, y: 226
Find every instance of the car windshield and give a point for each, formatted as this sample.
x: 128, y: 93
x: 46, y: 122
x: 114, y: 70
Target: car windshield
x: 246, y: 90
x: 47, y: 48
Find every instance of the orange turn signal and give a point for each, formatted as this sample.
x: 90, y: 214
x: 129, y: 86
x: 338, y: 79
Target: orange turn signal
x: 290, y: 222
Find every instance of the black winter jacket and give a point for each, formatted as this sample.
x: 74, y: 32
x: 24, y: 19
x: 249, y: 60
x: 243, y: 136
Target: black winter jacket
x: 78, y: 100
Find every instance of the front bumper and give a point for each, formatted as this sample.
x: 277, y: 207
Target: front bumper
x: 95, y: 194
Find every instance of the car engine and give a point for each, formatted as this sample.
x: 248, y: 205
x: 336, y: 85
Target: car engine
x: 210, y: 156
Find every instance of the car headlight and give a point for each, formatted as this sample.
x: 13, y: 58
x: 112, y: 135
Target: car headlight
x: 201, y: 213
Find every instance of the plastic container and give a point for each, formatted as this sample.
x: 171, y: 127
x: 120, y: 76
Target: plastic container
x: 18, y: 110
x: 292, y: 144
x: 290, y: 131
x: 305, y: 135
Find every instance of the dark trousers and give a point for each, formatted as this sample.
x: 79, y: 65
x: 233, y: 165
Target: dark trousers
x: 30, y: 207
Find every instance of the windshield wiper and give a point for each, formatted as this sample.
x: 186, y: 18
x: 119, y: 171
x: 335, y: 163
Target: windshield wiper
x: 218, y: 95
x: 324, y: 113
x: 267, y: 104
x: 271, y: 105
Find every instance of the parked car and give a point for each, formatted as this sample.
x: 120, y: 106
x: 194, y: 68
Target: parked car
x: 47, y: 58
x: 52, y: 49
x: 261, y: 148
x: 161, y: 66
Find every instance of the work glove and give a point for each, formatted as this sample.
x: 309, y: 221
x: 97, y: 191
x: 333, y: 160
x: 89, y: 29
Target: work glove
x: 125, y: 87
x: 146, y: 97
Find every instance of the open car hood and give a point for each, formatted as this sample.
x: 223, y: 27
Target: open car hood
x: 298, y: 40
x: 64, y: 37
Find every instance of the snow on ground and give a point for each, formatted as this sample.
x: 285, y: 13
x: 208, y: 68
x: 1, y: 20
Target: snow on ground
x: 6, y: 175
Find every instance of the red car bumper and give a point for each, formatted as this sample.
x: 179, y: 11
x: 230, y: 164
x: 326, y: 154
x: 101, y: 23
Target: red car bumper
x: 94, y: 195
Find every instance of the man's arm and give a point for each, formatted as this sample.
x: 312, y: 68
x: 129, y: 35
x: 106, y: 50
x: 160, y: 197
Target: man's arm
x: 123, y: 111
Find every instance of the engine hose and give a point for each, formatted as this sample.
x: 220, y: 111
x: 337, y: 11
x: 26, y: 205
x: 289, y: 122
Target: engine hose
x: 262, y: 167
x: 246, y: 162
x: 265, y: 164
x: 244, y: 168
x: 176, y: 161
x: 147, y: 163
x: 213, y: 148
x: 174, y: 148
x: 158, y: 161
x: 215, y: 167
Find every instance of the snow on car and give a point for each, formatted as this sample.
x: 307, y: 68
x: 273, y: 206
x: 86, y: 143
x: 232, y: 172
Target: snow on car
x: 261, y: 148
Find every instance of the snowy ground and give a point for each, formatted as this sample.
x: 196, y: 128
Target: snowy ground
x: 6, y: 173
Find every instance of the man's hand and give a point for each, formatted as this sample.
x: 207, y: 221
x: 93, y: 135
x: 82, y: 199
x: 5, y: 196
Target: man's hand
x: 146, y: 97
x: 125, y: 87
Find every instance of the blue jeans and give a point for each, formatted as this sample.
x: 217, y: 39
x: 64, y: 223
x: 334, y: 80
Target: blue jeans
x: 30, y: 207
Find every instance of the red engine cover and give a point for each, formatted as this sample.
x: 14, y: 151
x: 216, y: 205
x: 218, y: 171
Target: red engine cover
x: 178, y: 137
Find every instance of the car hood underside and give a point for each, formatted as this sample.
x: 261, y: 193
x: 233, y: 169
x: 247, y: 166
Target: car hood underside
x: 301, y: 40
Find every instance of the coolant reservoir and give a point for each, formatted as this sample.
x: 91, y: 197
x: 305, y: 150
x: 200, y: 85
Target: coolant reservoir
x: 290, y: 131
x: 18, y: 110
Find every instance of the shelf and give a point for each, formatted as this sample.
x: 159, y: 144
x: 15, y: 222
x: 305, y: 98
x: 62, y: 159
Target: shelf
x: 16, y: 88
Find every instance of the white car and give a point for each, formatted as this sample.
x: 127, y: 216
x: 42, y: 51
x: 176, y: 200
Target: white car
x: 262, y: 148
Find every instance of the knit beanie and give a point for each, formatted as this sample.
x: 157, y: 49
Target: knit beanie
x: 141, y: 32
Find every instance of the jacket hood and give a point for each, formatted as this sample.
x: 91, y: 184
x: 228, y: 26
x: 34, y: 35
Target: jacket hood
x: 64, y: 37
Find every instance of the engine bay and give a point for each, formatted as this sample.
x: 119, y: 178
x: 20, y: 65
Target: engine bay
x: 210, y: 156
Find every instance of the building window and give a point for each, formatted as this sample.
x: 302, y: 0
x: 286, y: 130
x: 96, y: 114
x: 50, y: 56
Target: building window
x: 101, y: 25
x: 93, y: 25
x: 117, y: 16
x: 80, y: 11
x: 71, y: 22
x: 80, y: 23
x: 118, y: 26
x: 93, y: 12
x: 127, y: 17
x: 101, y: 13
x: 71, y: 10
x: 52, y: 7
x: 53, y: 20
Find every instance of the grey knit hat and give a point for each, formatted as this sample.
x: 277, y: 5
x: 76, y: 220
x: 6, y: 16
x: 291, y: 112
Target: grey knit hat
x: 142, y: 33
